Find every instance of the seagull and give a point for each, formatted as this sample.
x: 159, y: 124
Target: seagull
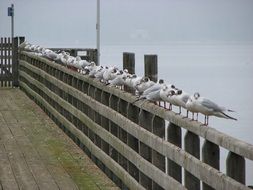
x: 166, y: 92
x: 23, y: 45
x: 93, y: 69
x: 207, y: 107
x: 109, y: 74
x: 132, y: 80
x: 99, y: 73
x: 152, y: 91
x: 179, y: 99
x: 119, y: 80
x: 144, y: 84
x: 49, y: 54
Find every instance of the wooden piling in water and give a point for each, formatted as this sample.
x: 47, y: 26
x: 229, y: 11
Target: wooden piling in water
x: 129, y: 64
x: 150, y: 67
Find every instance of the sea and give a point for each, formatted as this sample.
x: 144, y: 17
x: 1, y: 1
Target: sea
x: 221, y: 72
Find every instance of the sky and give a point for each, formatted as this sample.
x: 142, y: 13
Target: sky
x: 73, y: 22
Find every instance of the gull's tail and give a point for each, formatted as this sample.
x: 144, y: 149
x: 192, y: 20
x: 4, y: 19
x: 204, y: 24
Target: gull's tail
x: 228, y: 117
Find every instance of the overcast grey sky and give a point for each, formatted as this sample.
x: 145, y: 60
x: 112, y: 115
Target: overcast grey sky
x: 72, y: 22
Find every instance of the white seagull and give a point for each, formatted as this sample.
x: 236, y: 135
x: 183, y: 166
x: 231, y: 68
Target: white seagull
x: 207, y: 108
x: 144, y: 84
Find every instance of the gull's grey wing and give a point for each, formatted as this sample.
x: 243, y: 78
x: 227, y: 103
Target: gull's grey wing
x: 185, y: 98
x: 211, y: 105
x: 153, y: 88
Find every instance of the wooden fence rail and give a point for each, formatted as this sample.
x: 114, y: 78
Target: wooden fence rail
x: 131, y: 143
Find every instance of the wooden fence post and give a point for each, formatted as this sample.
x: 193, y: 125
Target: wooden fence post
x: 211, y: 156
x: 236, y: 167
x: 15, y: 62
x: 175, y: 137
x: 150, y: 62
x: 192, y: 146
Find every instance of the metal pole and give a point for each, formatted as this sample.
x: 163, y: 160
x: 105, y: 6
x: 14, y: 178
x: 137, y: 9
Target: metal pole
x: 98, y: 32
x: 12, y: 22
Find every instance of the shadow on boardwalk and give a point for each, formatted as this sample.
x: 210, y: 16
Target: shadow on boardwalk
x: 36, y: 154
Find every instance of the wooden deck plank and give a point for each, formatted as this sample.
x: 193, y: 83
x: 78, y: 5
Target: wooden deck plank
x: 20, y: 168
x: 39, y: 152
x: 42, y: 176
x: 9, y: 117
x: 8, y: 181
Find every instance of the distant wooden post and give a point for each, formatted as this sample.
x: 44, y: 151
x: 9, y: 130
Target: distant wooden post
x: 150, y: 62
x: 15, y: 62
x: 129, y: 64
x: 236, y: 167
x: 21, y: 39
x: 211, y: 156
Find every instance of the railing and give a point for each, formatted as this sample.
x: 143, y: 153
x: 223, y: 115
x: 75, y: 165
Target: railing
x: 128, y: 141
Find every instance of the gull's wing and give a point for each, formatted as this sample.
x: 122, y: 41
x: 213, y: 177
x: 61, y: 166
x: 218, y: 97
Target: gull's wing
x: 211, y: 105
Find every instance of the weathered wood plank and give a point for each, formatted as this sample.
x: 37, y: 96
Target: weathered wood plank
x: 42, y: 176
x: 9, y: 117
x: 43, y: 146
x: 7, y: 178
x: 22, y: 173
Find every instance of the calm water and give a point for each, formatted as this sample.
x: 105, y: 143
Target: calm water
x: 223, y: 73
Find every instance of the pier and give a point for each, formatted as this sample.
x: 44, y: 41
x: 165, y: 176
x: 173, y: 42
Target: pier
x: 138, y: 146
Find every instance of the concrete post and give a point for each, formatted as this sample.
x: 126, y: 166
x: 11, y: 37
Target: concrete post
x: 211, y: 156
x: 150, y: 62
x: 192, y: 146
x: 235, y: 165
x: 175, y: 137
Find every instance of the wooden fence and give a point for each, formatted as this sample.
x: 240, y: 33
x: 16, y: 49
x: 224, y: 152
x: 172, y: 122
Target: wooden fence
x: 8, y: 61
x: 128, y: 141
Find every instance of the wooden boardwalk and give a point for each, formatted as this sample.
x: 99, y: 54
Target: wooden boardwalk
x: 36, y: 154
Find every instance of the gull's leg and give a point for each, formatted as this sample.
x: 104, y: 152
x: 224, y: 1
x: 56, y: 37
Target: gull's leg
x: 192, y: 116
x: 170, y: 106
x: 187, y: 114
x: 179, y: 111
x: 197, y: 117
